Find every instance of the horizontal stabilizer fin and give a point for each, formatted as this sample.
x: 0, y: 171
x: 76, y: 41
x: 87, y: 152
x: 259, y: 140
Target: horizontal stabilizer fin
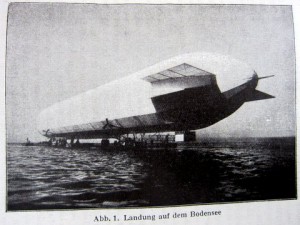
x: 266, y: 77
x: 258, y: 95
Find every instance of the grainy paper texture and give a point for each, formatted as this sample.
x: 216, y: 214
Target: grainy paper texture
x: 54, y: 51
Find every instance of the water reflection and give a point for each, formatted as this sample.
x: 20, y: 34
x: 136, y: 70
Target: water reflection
x: 53, y: 178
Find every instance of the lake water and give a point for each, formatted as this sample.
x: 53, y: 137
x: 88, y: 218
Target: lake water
x: 214, y: 171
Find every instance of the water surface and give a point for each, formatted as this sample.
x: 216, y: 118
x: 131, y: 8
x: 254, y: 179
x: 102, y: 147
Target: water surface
x: 223, y: 170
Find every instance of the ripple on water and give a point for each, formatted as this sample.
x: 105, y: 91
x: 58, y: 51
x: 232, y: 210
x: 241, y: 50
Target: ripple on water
x: 43, y: 177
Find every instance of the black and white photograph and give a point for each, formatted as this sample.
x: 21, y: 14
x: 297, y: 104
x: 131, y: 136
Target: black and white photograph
x: 120, y: 106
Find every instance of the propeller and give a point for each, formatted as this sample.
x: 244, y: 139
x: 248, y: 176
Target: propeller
x: 46, y: 132
x: 108, y: 125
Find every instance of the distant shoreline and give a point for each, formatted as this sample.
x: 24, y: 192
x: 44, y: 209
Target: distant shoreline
x: 204, y: 139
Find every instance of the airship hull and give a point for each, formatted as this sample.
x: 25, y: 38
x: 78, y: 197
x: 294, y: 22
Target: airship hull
x: 175, y: 95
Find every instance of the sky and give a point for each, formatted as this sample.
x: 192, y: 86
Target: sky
x: 55, y: 51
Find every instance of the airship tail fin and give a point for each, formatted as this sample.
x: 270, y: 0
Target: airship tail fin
x: 258, y: 95
x: 260, y: 78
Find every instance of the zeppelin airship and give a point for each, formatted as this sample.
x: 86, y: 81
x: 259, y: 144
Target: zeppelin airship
x: 184, y: 93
